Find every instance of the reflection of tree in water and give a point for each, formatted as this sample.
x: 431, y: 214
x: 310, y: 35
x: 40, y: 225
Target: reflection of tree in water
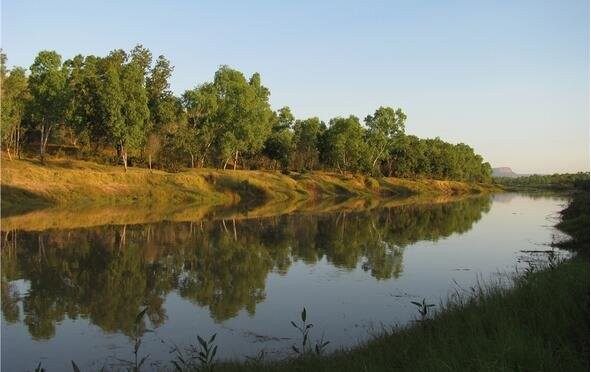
x: 108, y: 273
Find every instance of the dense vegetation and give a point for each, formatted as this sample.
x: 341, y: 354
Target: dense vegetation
x: 550, y: 181
x: 120, y: 109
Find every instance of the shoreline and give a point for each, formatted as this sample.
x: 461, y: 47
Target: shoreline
x: 28, y: 187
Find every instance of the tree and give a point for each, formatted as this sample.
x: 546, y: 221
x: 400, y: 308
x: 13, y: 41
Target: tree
x: 278, y: 147
x: 240, y: 114
x: 89, y: 80
x: 307, y: 134
x: 202, y: 130
x: 164, y: 107
x: 132, y: 133
x: 123, y: 103
x: 383, y: 128
x: 14, y: 97
x: 343, y: 145
x: 48, y: 87
x: 284, y: 119
x: 142, y: 57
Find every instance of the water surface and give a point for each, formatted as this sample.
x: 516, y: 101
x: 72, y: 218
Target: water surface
x: 73, y: 293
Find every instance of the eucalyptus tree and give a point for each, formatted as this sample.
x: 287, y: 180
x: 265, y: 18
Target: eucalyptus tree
x: 164, y: 106
x: 383, y: 127
x: 142, y: 57
x: 344, y: 146
x: 48, y: 87
x: 240, y: 113
x: 279, y: 145
x: 202, y: 129
x: 307, y: 134
x: 14, y: 97
x: 132, y: 134
x: 123, y: 102
x: 283, y: 119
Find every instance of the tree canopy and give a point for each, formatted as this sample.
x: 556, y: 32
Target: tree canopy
x: 119, y: 108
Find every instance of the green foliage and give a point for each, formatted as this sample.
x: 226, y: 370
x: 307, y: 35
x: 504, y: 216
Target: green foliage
x: 304, y: 329
x: 423, y: 308
x: 382, y: 129
x: 279, y: 147
x: 15, y: 97
x: 307, y: 135
x: 48, y: 87
x: 164, y: 107
x: 433, y: 158
x: 343, y: 145
x: 122, y: 103
x: 578, y: 180
x: 196, y: 358
x: 575, y: 222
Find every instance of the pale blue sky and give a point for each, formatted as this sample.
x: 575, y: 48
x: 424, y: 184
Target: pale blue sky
x: 509, y: 78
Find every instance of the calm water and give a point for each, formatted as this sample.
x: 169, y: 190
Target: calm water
x: 74, y: 294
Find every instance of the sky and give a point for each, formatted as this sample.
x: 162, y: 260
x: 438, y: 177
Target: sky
x: 509, y: 78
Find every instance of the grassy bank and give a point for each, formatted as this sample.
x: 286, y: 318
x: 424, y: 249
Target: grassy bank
x: 27, y: 185
x: 540, y: 324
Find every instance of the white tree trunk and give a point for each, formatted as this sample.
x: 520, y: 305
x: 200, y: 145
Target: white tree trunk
x: 124, y: 157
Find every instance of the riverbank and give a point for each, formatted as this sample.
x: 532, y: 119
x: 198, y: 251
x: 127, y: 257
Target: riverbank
x: 541, y: 323
x: 28, y: 185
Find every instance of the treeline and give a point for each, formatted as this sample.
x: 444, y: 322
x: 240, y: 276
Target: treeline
x: 578, y: 180
x: 120, y: 108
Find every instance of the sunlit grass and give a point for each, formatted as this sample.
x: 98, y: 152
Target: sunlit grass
x: 69, y: 183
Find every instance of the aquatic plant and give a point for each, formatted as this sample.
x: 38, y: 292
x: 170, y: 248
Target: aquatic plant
x: 304, y: 330
x: 199, y: 358
x: 423, y: 308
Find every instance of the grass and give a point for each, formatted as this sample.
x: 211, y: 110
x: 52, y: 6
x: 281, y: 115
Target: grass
x: 575, y: 222
x: 27, y: 185
x: 542, y: 324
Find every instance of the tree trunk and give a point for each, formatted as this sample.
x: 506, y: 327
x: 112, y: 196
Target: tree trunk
x: 205, y: 155
x: 226, y: 163
x: 192, y: 160
x: 235, y: 160
x: 41, y: 147
x: 18, y: 140
x: 150, y: 161
x: 45, y: 130
x: 124, y: 156
x: 10, y: 143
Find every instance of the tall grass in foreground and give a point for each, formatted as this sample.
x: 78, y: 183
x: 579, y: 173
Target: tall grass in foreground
x: 542, y: 324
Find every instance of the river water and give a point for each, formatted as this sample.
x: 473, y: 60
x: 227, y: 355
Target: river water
x: 74, y: 292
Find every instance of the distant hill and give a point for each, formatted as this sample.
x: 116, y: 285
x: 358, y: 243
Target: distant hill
x: 504, y: 172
